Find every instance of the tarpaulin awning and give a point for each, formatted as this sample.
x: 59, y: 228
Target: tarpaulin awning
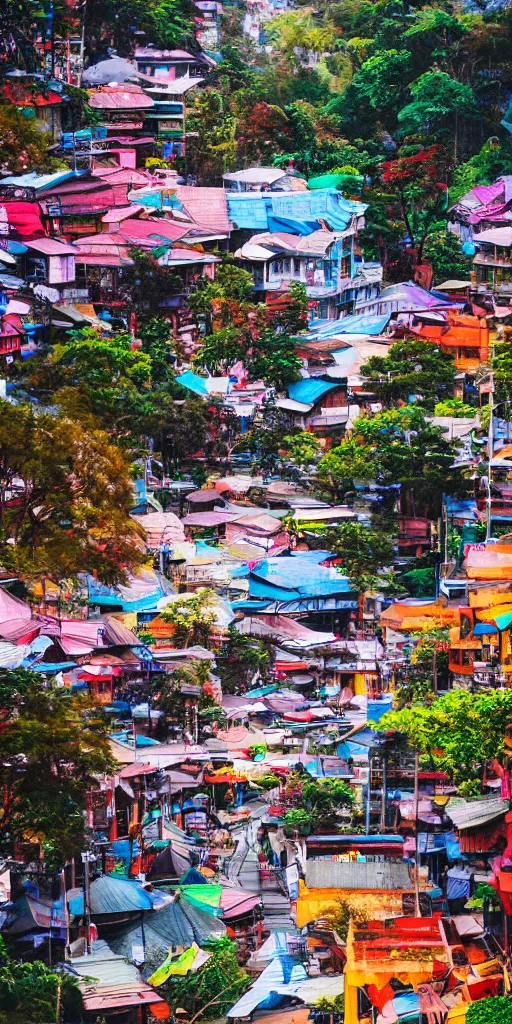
x: 206, y: 897
x: 285, y: 978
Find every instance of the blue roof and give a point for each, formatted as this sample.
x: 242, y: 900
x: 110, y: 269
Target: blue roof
x: 193, y: 383
x: 359, y: 323
x: 42, y: 181
x: 253, y: 210
x: 288, y: 578
x: 109, y: 597
x: 310, y: 390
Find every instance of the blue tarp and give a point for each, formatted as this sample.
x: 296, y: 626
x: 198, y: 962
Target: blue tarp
x: 310, y: 390
x: 359, y: 323
x: 252, y: 210
x: 297, y: 576
x: 193, y: 383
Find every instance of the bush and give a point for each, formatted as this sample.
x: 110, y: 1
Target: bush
x: 495, y: 1010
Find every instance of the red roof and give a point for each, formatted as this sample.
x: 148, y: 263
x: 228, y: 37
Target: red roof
x: 25, y: 218
x: 21, y: 97
x: 206, y: 206
x: 49, y: 100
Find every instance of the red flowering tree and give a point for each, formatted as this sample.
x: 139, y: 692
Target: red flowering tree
x: 417, y: 190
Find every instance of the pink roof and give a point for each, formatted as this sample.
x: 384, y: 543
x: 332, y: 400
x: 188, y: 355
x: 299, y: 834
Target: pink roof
x: 155, y: 230
x: 235, y: 902
x: 15, y: 617
x: 120, y: 213
x: 125, y: 97
x: 161, y: 526
x: 486, y: 193
x: 51, y: 247
x: 206, y: 206
x: 122, y: 176
x: 81, y: 636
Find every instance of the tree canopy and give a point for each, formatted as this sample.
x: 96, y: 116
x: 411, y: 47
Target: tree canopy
x: 52, y: 745
x: 459, y: 731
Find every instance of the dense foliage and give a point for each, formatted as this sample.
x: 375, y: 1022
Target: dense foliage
x: 52, y: 745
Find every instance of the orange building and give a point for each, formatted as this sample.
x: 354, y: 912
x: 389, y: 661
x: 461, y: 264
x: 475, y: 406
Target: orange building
x: 463, y: 336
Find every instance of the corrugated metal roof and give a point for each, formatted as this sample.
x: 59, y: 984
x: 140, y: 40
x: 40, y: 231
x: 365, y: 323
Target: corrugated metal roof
x: 473, y: 813
x: 120, y: 98
x: 325, y: 874
x: 206, y: 206
x: 51, y: 247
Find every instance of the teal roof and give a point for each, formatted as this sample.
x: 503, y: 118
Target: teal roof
x: 193, y: 383
x: 310, y: 390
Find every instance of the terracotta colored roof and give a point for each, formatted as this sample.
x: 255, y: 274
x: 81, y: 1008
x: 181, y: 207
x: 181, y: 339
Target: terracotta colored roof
x: 206, y: 206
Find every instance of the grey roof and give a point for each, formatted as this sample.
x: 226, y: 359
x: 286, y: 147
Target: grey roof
x: 179, y: 924
x: 387, y: 874
x: 104, y: 967
x: 473, y: 813
x: 111, y: 895
x: 115, y: 69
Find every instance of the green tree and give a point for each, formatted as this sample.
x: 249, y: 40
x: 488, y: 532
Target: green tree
x: 365, y: 553
x: 31, y: 993
x: 23, y: 147
x: 323, y: 799
x: 411, y: 367
x: 106, y: 371
x: 192, y: 618
x: 459, y: 731
x: 443, y: 250
x: 73, y: 512
x: 396, y: 446
x: 494, y: 1010
x: 302, y: 448
x: 211, y: 991
x: 440, y: 108
x: 243, y: 658
x: 52, y: 746
x: 378, y: 89
x: 454, y: 407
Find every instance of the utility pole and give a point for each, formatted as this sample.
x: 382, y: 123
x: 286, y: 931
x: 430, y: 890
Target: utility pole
x: 490, y: 453
x: 417, y: 908
x: 86, y: 858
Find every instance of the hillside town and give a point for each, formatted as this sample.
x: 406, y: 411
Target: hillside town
x: 255, y: 512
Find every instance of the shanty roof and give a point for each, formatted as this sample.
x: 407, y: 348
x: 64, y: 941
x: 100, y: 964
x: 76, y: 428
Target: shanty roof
x: 473, y: 813
x: 125, y: 97
x: 109, y: 895
x: 256, y: 175
x: 286, y: 978
x: 495, y: 236
x: 286, y: 631
x: 178, y: 924
x: 109, y: 982
x: 114, y: 69
x: 206, y: 206
x: 51, y: 247
x: 172, y: 86
x: 309, y: 390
